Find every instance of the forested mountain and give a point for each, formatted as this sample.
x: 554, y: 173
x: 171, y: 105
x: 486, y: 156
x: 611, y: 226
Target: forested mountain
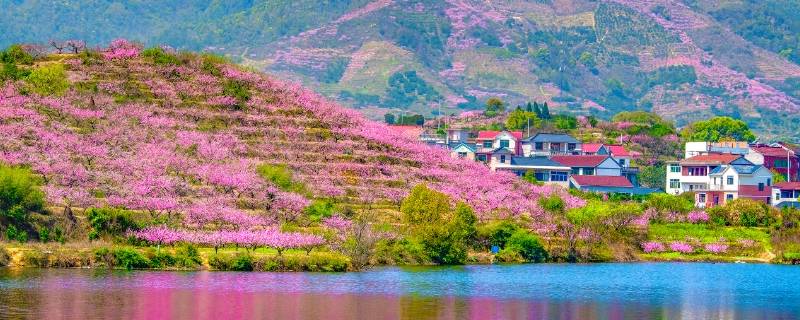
x: 682, y: 59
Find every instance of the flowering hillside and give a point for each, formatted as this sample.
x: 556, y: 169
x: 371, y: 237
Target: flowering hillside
x: 185, y: 135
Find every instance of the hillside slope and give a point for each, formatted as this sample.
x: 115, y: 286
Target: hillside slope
x: 681, y: 59
x: 189, y: 135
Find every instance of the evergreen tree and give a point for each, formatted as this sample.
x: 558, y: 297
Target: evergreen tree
x: 537, y: 110
x: 545, y: 111
x: 529, y: 107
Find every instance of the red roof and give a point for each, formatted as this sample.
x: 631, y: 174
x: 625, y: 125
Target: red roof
x: 712, y: 158
x: 788, y: 185
x: 618, y: 150
x: 771, y: 151
x: 579, y: 161
x: 490, y: 135
x: 591, y: 147
x: 615, y: 149
x: 602, y: 181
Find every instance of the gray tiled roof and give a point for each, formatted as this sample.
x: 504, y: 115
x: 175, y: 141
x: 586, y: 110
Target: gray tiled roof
x: 552, y: 137
x: 534, y: 162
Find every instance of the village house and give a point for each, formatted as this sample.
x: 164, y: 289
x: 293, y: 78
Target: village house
x: 786, y: 194
x: 544, y: 169
x: 500, y: 143
x: 596, y: 165
x: 718, y: 178
x: 776, y: 158
x: 550, y: 144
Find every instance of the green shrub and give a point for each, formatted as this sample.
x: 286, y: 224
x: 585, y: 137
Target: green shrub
x: 238, y: 90
x: 496, y: 233
x: 109, y: 221
x: 401, y: 252
x: 160, y: 258
x: 280, y: 176
x: 315, y: 262
x: 19, y: 195
x: 160, y: 57
x: 210, y: 62
x: 528, y: 245
x: 319, y: 209
x: 10, y: 71
x: 509, y: 255
x: 665, y: 203
x: 44, y: 234
x: 15, y: 54
x: 743, y: 212
x: 242, y: 262
x: 129, y: 258
x: 47, y: 80
x: 552, y: 204
x: 12, y: 233
x: 187, y: 257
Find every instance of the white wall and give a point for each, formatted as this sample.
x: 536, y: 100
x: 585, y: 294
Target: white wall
x: 695, y: 148
x: 608, y: 167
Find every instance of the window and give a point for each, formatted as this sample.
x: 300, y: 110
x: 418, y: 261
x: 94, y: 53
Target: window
x: 555, y: 146
x: 674, y: 183
x: 674, y: 168
x: 701, y: 197
x: 781, y: 163
x: 588, y: 171
x: 622, y: 162
x: 541, y: 175
x: 787, y: 194
x: 481, y: 157
x: 487, y: 144
x: 698, y: 171
x: 539, y: 146
x: 777, y: 196
x: 730, y: 180
x: 576, y: 170
x: 504, y: 143
x: 769, y: 182
x: 502, y: 159
x: 761, y: 186
x: 462, y: 155
x: 729, y: 197
x: 558, y: 176
x: 571, y: 146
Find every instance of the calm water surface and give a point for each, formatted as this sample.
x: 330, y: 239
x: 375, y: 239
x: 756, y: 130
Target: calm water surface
x: 606, y: 291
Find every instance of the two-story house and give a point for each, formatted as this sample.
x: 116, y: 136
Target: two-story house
x: 786, y: 194
x: 544, y: 169
x: 596, y: 165
x: 489, y: 143
x: 718, y: 178
x: 550, y: 144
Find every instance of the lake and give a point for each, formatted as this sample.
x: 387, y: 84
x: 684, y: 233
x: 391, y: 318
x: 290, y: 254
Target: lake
x: 562, y: 291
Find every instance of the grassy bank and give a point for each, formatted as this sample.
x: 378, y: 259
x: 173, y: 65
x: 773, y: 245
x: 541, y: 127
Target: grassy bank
x: 105, y: 255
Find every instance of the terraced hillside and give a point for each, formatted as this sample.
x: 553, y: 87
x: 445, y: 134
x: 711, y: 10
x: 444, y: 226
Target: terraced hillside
x: 185, y: 135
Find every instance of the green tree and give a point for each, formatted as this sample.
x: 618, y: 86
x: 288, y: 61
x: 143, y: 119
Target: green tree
x: 528, y: 245
x: 778, y: 177
x: 653, y: 176
x: 388, y: 118
x: 49, y: 79
x: 520, y: 119
x: 545, y: 112
x: 444, y: 232
x: 19, y: 195
x: 494, y: 106
x: 719, y: 129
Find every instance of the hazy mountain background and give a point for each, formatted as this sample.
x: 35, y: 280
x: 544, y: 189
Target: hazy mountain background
x: 682, y: 59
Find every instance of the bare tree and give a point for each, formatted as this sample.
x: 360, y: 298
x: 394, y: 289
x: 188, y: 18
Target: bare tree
x: 58, y: 45
x: 76, y: 46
